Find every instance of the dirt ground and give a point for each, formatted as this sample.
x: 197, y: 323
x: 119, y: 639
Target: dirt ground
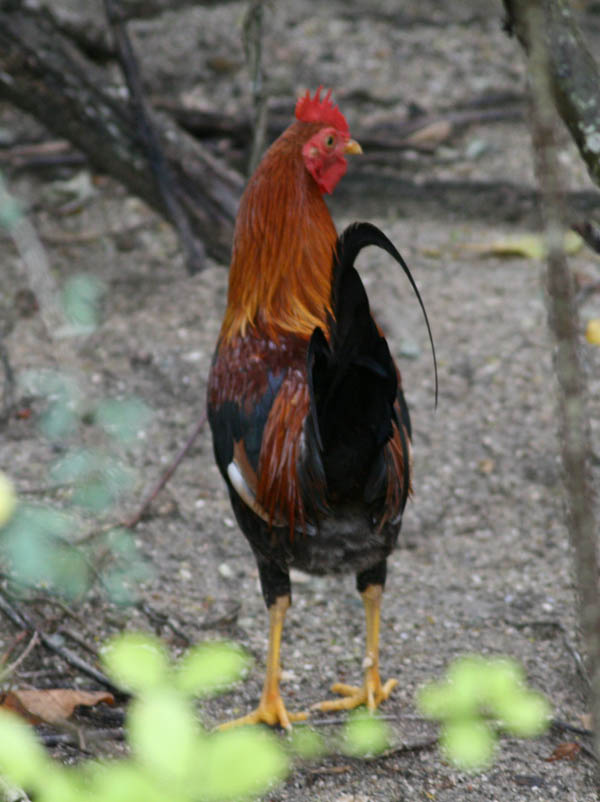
x: 483, y: 564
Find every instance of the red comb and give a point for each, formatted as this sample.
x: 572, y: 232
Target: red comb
x: 316, y: 110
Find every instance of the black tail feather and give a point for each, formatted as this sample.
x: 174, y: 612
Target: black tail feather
x: 353, y: 385
x: 351, y: 242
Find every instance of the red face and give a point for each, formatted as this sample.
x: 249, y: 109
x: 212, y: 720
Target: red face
x: 323, y: 156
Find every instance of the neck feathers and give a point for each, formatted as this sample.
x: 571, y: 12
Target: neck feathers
x: 280, y: 274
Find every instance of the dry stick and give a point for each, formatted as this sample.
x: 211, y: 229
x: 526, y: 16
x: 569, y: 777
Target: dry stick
x: 132, y: 522
x: 67, y: 738
x: 21, y: 619
x: 8, y: 394
x: 252, y: 34
x: 194, y: 252
x: 12, y: 667
x: 564, y: 323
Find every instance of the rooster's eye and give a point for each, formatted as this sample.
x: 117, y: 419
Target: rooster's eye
x: 329, y: 141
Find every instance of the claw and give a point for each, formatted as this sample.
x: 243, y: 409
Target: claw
x: 272, y: 713
x: 371, y: 694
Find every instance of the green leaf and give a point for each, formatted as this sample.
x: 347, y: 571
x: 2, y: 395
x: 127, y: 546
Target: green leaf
x: 210, y: 668
x: 468, y: 675
x: 75, y: 465
x: 503, y: 679
x: 164, y: 734
x: 51, y: 384
x: 65, y: 785
x: 239, y: 763
x: 33, y: 542
x: 128, y: 781
x: 469, y: 744
x: 68, y: 571
x: 459, y: 695
x: 135, y: 661
x: 307, y: 744
x: 22, y: 758
x: 99, y: 479
x: 364, y: 734
x: 58, y: 420
x: 95, y: 495
x: 10, y: 209
x: 435, y: 700
x: 123, y: 584
x: 525, y: 714
x: 123, y: 418
x: 81, y: 301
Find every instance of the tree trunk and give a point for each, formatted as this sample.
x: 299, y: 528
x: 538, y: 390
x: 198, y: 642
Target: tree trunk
x: 574, y: 74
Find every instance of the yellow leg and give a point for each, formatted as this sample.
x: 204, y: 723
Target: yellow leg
x: 372, y: 692
x: 271, y: 709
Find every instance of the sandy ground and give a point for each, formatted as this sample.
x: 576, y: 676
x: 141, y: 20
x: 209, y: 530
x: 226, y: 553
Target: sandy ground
x: 483, y: 563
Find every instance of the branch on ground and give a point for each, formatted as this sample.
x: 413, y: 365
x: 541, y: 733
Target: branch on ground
x: 195, y: 253
x: 44, y: 74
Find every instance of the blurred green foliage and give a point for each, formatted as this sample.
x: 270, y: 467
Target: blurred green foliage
x: 172, y: 755
x: 364, y: 734
x: 81, y: 298
x: 477, y: 698
x: 42, y: 542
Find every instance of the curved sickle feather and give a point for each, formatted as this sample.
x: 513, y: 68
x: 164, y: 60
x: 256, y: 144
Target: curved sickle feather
x: 358, y: 236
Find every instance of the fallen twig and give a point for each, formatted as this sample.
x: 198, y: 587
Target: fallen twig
x: 131, y: 523
x: 335, y: 722
x: 22, y: 620
x: 564, y: 726
x: 71, y: 739
x: 12, y: 667
x: 578, y: 660
x: 408, y: 746
x: 8, y: 394
x: 68, y: 633
x: 163, y: 620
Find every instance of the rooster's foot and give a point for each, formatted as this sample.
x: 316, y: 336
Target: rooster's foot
x: 272, y: 713
x: 371, y: 694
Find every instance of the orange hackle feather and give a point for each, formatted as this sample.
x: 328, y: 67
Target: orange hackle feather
x: 280, y: 274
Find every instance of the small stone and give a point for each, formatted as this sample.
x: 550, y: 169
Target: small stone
x: 226, y: 571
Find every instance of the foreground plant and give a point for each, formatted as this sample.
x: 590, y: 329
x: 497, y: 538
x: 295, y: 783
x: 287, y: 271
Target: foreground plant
x: 172, y: 755
x: 477, y: 698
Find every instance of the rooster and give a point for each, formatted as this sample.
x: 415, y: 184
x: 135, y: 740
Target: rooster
x: 310, y: 428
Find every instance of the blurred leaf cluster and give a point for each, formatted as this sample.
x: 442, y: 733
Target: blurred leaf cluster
x: 65, y: 546
x: 477, y: 697
x: 172, y: 755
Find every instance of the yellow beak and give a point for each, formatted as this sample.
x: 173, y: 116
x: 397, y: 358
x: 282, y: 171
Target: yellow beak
x: 353, y: 147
